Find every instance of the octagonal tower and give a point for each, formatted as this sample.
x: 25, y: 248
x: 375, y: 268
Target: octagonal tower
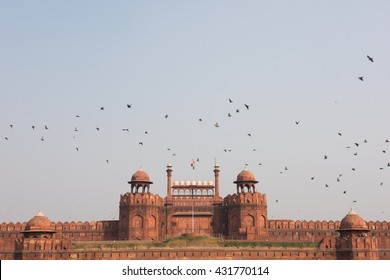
x: 247, y: 216
x: 140, y: 210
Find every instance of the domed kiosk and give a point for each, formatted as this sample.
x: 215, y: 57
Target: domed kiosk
x: 246, y: 181
x: 39, y: 241
x: 38, y: 226
x: 140, y: 182
x: 355, y: 241
x: 352, y: 221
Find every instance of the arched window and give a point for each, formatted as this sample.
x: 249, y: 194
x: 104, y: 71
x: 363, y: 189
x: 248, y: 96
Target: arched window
x: 137, y: 222
x: 249, y: 221
x: 152, y: 222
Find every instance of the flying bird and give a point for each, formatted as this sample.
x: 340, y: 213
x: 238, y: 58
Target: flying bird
x: 146, y: 132
x: 107, y: 160
x: 361, y: 78
x: 297, y: 122
x: 229, y: 115
x: 128, y: 105
x: 166, y: 116
x: 98, y: 129
x: 140, y: 143
x: 326, y: 185
x: 75, y: 129
x: 11, y: 125
x: 237, y: 110
x: 42, y: 139
x: 216, y: 124
x: 231, y: 101
x: 344, y: 192
x: 33, y: 127
x: 125, y: 129
x: 6, y: 138
x: 200, y: 120
x: 312, y: 178
x: 46, y: 127
x: 250, y: 135
x: 77, y: 149
x: 339, y: 133
x: 325, y: 157
x: 246, y: 106
x: 370, y: 58
x: 77, y: 116
x: 102, y: 108
x: 357, y: 144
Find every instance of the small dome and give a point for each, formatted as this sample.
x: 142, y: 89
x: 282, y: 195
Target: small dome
x: 140, y: 176
x: 245, y: 176
x: 176, y: 183
x: 39, y: 223
x: 353, y: 221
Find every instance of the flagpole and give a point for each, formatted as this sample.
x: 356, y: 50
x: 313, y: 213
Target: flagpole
x: 192, y: 192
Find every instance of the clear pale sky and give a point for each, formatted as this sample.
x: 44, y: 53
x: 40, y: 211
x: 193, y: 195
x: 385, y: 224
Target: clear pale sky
x: 288, y: 60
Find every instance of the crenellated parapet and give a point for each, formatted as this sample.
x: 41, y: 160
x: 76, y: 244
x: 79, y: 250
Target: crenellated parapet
x: 245, y: 198
x: 141, y: 198
x: 303, y: 225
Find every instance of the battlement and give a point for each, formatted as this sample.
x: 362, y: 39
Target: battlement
x: 141, y: 198
x: 242, y: 198
x: 321, y: 225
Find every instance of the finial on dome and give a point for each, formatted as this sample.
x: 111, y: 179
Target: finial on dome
x: 40, y: 214
x: 352, y: 212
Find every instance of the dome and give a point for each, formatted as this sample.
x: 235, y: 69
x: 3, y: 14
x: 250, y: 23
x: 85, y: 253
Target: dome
x: 40, y: 223
x: 140, y: 176
x: 353, y: 221
x: 245, y: 176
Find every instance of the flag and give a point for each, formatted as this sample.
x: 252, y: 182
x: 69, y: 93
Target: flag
x: 193, y: 164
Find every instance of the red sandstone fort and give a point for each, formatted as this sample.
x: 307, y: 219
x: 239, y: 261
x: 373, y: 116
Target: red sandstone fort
x: 195, y: 208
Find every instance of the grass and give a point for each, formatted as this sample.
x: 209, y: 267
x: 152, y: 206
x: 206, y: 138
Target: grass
x: 254, y: 244
x: 193, y: 242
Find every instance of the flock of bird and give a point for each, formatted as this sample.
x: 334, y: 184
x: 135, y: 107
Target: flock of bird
x: 217, y: 125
